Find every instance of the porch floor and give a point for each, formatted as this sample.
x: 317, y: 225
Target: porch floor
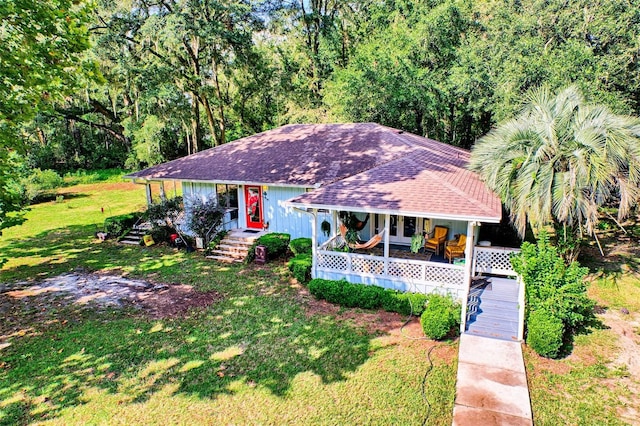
x: 398, y: 251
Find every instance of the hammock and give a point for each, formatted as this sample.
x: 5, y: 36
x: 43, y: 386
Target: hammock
x: 374, y: 241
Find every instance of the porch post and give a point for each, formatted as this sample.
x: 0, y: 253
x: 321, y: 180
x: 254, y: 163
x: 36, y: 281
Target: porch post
x: 468, y: 264
x: 163, y: 195
x: 387, y: 226
x: 314, y: 243
x: 334, y: 222
x: 148, y: 191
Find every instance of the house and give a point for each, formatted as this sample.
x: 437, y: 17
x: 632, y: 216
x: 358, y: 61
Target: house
x: 294, y: 178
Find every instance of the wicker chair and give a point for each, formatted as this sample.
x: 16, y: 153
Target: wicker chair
x: 437, y: 240
x: 455, y: 248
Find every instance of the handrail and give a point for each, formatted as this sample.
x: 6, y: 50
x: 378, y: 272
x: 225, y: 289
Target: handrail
x: 521, y: 307
x: 330, y: 241
x: 221, y: 225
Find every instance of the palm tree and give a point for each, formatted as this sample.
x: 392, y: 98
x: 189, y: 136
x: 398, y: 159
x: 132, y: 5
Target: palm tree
x: 558, y: 161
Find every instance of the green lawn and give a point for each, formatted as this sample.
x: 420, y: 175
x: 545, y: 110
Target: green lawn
x: 260, y: 355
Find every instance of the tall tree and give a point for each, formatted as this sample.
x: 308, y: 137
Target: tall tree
x: 402, y: 75
x: 40, y: 62
x: 558, y: 161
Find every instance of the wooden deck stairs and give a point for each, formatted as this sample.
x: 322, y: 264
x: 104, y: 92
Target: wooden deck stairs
x: 235, y: 246
x: 492, y: 309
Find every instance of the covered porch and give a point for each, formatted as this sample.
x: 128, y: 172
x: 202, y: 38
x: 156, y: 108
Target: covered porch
x: 390, y: 263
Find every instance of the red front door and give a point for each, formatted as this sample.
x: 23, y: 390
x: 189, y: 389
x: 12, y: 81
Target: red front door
x: 253, y: 201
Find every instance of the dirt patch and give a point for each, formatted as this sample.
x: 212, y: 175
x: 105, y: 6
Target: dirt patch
x: 113, y: 186
x: 155, y: 300
x: 626, y: 327
x: 175, y: 300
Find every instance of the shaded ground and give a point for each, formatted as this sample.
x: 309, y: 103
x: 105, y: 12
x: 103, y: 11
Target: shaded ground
x: 95, y: 290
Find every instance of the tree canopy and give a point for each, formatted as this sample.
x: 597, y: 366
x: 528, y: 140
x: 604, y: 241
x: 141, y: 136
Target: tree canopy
x: 138, y: 82
x: 561, y: 159
x: 40, y: 63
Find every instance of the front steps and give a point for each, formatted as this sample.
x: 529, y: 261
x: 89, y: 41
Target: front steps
x: 492, y: 310
x: 235, y: 246
x: 134, y: 237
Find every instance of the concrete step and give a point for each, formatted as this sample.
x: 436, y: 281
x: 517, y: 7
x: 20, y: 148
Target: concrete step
x: 237, y: 241
x: 225, y: 259
x: 233, y: 247
x: 132, y: 242
x: 234, y: 255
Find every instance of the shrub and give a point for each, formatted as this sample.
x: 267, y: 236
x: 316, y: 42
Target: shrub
x: 404, y: 303
x: 117, y: 226
x: 366, y: 296
x: 544, y: 333
x: 300, y: 246
x: 440, y: 316
x: 165, y: 212
x: 276, y: 243
x: 203, y: 216
x: 553, y: 287
x: 162, y: 233
x: 300, y: 267
x: 163, y: 216
x: 39, y: 183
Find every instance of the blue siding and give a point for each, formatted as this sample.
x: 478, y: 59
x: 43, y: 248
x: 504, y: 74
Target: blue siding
x: 286, y: 219
x: 205, y: 191
x: 455, y: 226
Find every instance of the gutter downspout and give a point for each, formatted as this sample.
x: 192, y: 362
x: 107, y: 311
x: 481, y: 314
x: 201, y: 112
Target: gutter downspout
x: 314, y: 238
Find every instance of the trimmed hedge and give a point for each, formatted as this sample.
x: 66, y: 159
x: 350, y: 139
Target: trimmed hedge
x: 441, y: 316
x: 544, y: 333
x: 277, y: 245
x: 366, y: 296
x: 300, y: 246
x: 117, y: 226
x: 300, y: 267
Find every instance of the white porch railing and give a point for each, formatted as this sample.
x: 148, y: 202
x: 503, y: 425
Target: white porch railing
x: 426, y: 276
x: 493, y: 260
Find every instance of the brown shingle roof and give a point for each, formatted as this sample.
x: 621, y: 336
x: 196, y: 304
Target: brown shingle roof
x: 432, y: 181
x: 305, y: 155
x: 364, y: 166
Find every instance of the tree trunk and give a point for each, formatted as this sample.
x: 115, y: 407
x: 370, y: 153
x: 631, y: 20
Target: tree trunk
x: 210, y: 119
x: 221, y: 123
x: 196, y: 135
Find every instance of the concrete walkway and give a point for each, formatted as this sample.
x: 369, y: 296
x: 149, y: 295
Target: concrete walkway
x: 492, y: 385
